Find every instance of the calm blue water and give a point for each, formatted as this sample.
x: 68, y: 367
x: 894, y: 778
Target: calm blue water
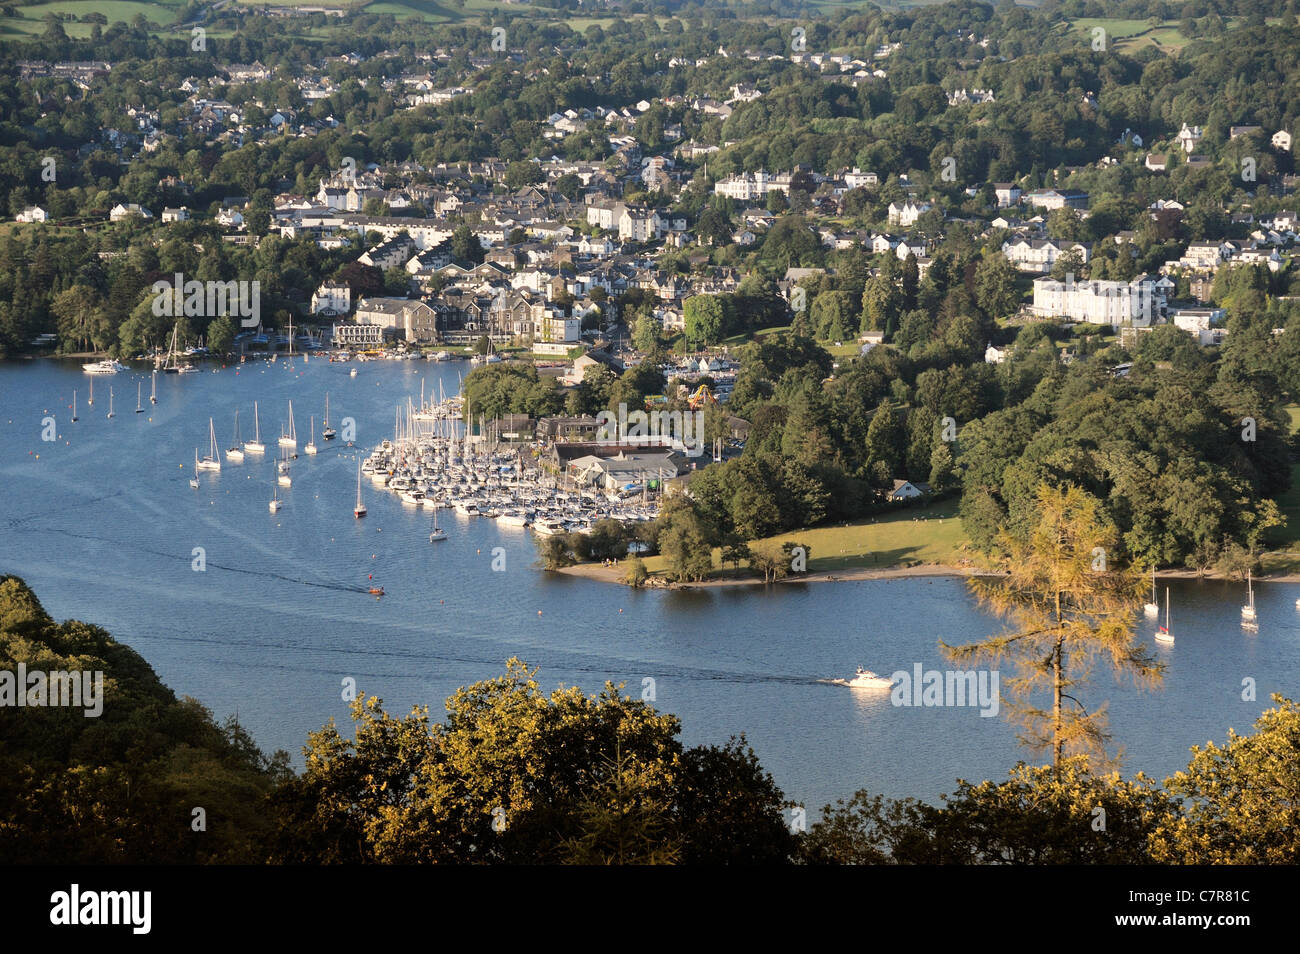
x: 104, y: 525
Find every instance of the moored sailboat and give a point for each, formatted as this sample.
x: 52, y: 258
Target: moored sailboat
x: 1152, y: 608
x: 213, y: 460
x: 110, y: 402
x: 1248, y: 611
x: 289, y: 438
x: 255, y: 446
x: 359, y: 510
x: 1165, y: 634
x: 139, y: 394
x: 236, y: 450
x: 327, y: 432
x: 310, y: 447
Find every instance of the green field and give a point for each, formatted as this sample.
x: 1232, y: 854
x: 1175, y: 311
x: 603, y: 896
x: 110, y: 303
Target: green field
x: 29, y: 21
x: 911, y: 536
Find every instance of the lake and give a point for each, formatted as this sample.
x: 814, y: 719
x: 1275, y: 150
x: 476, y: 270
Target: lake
x: 104, y: 526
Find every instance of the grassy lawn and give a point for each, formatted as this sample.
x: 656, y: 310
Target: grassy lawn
x: 912, y: 535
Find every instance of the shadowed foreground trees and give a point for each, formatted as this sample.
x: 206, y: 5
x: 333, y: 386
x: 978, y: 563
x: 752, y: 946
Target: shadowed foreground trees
x: 1235, y: 804
x: 518, y: 776
x: 121, y: 786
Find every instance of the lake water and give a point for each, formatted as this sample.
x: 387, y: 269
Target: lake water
x: 103, y: 524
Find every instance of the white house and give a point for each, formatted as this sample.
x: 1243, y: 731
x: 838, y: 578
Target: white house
x: 1007, y: 193
x: 130, y: 209
x: 352, y: 334
x: 1040, y: 255
x: 181, y: 214
x: 1282, y: 140
x: 907, y: 213
x: 33, y: 213
x: 1188, y: 137
x: 1137, y: 303
x: 857, y: 179
x: 906, y: 490
x: 333, y: 298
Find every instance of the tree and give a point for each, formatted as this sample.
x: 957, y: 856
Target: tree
x: 520, y: 174
x: 995, y: 286
x: 648, y: 334
x: 515, y: 775
x: 1068, y: 606
x: 1039, y: 816
x: 1239, y: 804
x: 885, y: 442
x: 221, y: 334
x: 466, y: 246
x: 684, y: 542
x: 704, y: 319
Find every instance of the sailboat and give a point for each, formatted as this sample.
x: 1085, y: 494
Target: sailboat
x: 74, y: 407
x: 255, y: 446
x: 284, y: 479
x: 327, y: 432
x: 110, y: 402
x: 1165, y: 634
x: 275, y: 504
x: 359, y: 510
x: 213, y: 460
x: 153, y: 387
x: 236, y: 450
x: 438, y: 533
x: 1248, y: 611
x: 310, y: 448
x: 291, y: 438
x: 91, y: 400
x: 139, y: 392
x: 194, y: 481
x: 170, y: 365
x: 1152, y: 608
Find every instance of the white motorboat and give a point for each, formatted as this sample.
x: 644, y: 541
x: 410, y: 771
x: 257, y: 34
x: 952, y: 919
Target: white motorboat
x: 213, y: 460
x: 549, y: 528
x: 102, y: 367
x: 866, y: 679
x: 255, y: 446
x: 352, y: 373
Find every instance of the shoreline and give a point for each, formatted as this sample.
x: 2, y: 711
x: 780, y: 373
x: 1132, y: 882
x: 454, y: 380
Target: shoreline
x: 614, y: 574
